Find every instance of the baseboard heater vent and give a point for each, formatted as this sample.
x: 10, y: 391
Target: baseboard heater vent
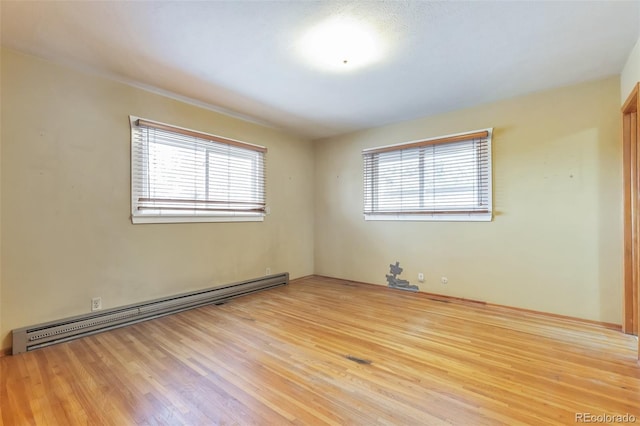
x: 41, y: 335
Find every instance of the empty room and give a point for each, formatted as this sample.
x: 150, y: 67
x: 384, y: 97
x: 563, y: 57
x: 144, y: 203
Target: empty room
x: 328, y: 212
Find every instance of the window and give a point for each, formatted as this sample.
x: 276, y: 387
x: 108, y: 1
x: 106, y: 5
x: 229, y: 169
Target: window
x: 180, y: 175
x: 446, y: 178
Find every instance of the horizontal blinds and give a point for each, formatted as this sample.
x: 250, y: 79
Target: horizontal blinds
x: 187, y: 173
x: 200, y: 135
x: 448, y: 176
x: 483, y: 134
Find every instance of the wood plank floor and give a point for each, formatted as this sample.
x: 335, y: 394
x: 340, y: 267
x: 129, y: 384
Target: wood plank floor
x: 279, y: 357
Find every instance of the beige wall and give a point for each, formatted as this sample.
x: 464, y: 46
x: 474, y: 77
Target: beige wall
x: 630, y: 73
x: 555, y: 243
x: 66, y: 234
x: 2, y: 347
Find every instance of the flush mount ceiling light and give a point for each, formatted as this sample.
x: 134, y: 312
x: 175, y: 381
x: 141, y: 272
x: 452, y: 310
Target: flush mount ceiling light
x: 341, y: 45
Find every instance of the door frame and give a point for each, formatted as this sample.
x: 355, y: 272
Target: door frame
x: 631, y: 188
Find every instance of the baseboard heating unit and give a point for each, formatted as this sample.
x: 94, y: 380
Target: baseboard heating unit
x: 41, y: 335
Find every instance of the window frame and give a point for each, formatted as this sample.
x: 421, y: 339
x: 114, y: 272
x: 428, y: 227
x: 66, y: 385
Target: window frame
x: 139, y: 171
x: 371, y: 183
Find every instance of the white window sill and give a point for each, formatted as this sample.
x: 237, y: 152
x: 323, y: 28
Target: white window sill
x: 195, y: 219
x: 480, y: 217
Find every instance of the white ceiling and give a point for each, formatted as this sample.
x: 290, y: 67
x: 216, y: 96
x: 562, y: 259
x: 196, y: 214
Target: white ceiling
x: 244, y: 57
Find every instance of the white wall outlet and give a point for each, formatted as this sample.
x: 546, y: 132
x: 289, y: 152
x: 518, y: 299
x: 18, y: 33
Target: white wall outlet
x: 96, y: 303
x: 420, y: 277
x: 444, y: 280
x: 267, y: 271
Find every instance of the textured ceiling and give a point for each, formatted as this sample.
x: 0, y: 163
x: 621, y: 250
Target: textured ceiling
x: 244, y: 57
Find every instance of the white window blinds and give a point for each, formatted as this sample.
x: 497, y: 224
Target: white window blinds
x: 447, y: 178
x: 180, y: 175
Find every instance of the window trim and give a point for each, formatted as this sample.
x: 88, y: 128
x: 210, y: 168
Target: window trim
x: 137, y: 218
x: 452, y: 216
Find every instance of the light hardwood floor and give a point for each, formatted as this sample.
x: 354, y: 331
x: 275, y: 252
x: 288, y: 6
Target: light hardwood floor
x: 279, y: 357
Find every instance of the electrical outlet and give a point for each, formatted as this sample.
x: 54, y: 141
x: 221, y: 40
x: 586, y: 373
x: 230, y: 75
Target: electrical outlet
x: 420, y: 277
x: 96, y: 303
x: 444, y: 280
x: 268, y: 271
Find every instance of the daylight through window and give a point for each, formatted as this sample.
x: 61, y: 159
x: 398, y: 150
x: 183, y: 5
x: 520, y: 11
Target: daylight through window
x: 446, y: 178
x: 180, y: 175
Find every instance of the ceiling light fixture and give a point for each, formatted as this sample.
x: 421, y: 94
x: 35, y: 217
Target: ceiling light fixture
x: 341, y: 44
